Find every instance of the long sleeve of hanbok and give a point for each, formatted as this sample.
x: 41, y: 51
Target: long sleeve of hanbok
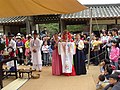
x: 37, y: 47
x: 41, y: 43
x: 52, y: 45
x: 73, y: 48
x: 31, y: 45
x: 59, y: 48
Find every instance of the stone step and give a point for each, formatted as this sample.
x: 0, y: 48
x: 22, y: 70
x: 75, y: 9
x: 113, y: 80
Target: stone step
x: 15, y: 85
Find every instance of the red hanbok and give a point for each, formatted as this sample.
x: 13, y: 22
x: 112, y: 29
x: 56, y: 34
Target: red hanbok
x: 56, y: 60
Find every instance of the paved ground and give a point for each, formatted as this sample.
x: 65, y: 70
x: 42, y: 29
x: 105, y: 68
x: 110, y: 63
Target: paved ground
x: 49, y: 82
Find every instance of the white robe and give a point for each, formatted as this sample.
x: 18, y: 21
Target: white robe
x: 66, y: 50
x: 36, y: 57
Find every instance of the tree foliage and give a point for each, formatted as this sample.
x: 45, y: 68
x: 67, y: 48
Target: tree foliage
x: 51, y: 27
x: 75, y: 28
x: 54, y: 27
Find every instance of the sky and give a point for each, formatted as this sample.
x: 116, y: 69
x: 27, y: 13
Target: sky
x: 99, y: 1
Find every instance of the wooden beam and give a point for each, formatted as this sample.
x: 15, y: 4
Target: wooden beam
x: 104, y: 22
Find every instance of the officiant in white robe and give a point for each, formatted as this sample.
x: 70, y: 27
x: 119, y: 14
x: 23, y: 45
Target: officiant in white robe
x: 35, y: 46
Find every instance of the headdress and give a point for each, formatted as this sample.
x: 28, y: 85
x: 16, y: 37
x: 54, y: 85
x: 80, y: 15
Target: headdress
x: 69, y: 37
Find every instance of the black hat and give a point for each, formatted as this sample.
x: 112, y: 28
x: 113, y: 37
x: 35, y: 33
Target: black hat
x: 35, y: 32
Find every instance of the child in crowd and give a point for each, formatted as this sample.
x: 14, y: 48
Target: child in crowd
x: 101, y: 83
x: 102, y: 66
x: 45, y: 49
x: 108, y: 69
x: 114, y: 54
x: 27, y: 51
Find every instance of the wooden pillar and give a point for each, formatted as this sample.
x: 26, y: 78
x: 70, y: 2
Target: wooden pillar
x: 59, y: 22
x: 109, y: 26
x: 3, y: 29
x: 59, y: 26
x: 63, y: 25
x: 116, y: 21
x: 33, y: 25
x: 37, y: 27
x: 28, y: 25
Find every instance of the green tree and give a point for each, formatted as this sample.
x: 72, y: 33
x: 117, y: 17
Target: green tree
x: 51, y: 27
x: 75, y: 28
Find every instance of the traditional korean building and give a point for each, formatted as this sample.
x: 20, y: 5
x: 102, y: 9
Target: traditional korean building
x: 102, y: 14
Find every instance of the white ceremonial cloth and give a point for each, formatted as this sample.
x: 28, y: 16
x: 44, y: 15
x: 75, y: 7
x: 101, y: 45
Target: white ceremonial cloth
x: 66, y: 50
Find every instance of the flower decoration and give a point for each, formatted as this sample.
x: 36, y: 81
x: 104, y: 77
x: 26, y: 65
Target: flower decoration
x: 67, y: 36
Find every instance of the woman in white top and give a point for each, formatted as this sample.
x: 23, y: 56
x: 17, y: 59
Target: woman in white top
x: 79, y: 57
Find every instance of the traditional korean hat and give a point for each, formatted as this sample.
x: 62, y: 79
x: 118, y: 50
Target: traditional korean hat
x: 35, y: 32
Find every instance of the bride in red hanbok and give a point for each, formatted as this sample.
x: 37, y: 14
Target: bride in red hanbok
x: 66, y: 49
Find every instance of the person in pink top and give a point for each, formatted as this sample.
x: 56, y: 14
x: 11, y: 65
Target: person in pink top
x: 114, y: 54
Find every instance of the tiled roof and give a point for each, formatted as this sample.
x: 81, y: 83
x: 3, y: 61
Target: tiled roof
x: 13, y: 19
x: 98, y: 11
